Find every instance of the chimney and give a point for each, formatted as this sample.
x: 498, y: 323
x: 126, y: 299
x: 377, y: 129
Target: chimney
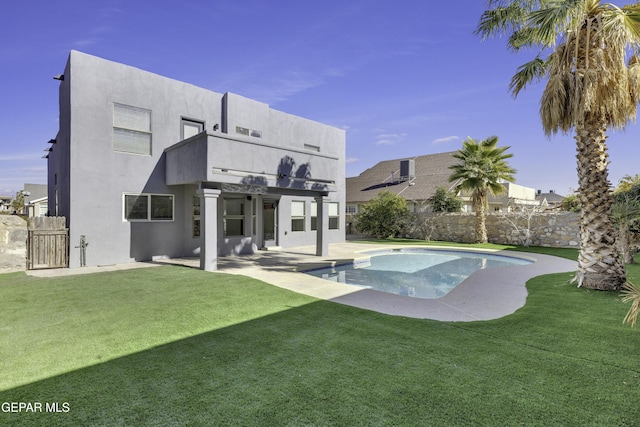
x: 407, y: 169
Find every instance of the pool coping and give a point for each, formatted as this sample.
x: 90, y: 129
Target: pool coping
x: 485, y: 295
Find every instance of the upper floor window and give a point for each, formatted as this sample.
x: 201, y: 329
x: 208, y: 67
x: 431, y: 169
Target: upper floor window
x: 248, y: 132
x: 131, y: 129
x: 190, y: 128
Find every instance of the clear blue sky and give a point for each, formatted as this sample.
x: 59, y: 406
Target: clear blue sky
x: 403, y: 77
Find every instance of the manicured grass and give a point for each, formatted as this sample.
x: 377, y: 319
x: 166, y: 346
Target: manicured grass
x: 177, y: 346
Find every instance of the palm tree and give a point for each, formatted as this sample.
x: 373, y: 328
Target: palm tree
x: 481, y: 170
x: 591, y: 87
x: 625, y: 215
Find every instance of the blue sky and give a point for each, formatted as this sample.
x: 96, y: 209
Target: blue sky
x: 403, y: 77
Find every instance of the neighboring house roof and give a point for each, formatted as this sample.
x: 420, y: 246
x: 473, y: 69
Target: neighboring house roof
x: 40, y: 200
x: 34, y: 191
x: 431, y: 171
x: 550, y: 197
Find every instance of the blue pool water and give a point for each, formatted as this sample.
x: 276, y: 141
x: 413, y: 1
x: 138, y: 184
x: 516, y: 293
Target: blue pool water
x: 422, y: 273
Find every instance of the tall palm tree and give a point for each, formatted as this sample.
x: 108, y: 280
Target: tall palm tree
x: 481, y: 170
x: 593, y: 84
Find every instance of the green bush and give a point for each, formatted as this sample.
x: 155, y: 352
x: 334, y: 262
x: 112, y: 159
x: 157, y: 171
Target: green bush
x: 385, y: 216
x: 445, y: 201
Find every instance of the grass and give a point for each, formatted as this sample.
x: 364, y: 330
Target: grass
x: 177, y: 346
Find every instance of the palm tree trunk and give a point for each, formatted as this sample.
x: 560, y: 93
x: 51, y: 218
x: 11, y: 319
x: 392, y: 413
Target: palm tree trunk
x: 481, y: 227
x: 624, y: 243
x: 599, y: 264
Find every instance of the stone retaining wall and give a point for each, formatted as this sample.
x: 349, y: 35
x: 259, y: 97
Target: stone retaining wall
x: 558, y: 229
x: 13, y: 243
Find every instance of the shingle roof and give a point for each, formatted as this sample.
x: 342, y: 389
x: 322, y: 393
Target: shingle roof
x: 431, y: 171
x: 551, y: 197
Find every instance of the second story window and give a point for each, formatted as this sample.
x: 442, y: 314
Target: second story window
x: 190, y: 128
x: 131, y: 129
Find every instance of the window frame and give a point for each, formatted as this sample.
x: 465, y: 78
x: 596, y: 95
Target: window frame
x: 186, y: 121
x: 149, y: 208
x: 195, y: 217
x: 119, y: 128
x: 335, y: 219
x: 233, y: 217
x: 299, y: 219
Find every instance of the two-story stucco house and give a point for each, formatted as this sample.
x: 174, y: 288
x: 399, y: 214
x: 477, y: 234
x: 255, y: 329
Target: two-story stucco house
x: 146, y: 167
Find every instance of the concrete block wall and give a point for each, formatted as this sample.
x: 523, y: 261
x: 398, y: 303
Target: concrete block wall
x: 13, y: 244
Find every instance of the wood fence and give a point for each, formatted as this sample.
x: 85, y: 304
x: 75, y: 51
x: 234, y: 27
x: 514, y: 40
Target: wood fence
x: 47, y: 243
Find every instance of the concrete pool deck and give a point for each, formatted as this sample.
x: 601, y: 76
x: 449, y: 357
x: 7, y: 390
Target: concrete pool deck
x: 487, y: 294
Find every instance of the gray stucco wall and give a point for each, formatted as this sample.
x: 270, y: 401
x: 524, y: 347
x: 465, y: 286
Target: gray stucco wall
x: 99, y: 176
x: 90, y: 179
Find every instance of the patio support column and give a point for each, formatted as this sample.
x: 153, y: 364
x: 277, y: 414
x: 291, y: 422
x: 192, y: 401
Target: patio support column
x: 322, y: 226
x: 208, y: 228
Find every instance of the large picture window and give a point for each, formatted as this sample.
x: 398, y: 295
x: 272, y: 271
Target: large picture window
x: 131, y: 129
x: 148, y: 207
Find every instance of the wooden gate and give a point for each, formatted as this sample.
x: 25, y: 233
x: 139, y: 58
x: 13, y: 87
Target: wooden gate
x: 47, y: 242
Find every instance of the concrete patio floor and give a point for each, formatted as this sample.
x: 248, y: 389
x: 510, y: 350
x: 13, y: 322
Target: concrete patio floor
x: 487, y: 294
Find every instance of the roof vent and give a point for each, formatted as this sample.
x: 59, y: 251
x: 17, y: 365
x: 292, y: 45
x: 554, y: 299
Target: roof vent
x: 407, y: 169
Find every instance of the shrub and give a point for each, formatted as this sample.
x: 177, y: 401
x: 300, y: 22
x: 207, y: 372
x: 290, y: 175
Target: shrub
x: 445, y: 201
x: 385, y: 216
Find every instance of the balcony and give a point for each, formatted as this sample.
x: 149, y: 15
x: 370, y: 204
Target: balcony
x: 245, y: 161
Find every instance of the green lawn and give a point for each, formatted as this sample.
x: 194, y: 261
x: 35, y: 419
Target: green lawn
x: 178, y: 346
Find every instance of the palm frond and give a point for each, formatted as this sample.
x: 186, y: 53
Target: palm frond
x: 528, y: 73
x: 551, y: 21
x: 500, y: 19
x: 633, y: 76
x: 554, y: 105
x: 631, y: 16
x: 631, y: 293
x: 523, y: 37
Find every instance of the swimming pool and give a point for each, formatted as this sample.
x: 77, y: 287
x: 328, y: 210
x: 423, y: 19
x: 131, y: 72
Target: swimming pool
x: 419, y: 273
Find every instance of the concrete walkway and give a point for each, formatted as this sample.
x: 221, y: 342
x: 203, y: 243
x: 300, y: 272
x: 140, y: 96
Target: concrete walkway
x: 487, y: 294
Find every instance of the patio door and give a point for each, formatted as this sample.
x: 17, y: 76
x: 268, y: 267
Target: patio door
x: 269, y: 223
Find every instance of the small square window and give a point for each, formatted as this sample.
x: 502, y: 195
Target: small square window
x: 191, y: 128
